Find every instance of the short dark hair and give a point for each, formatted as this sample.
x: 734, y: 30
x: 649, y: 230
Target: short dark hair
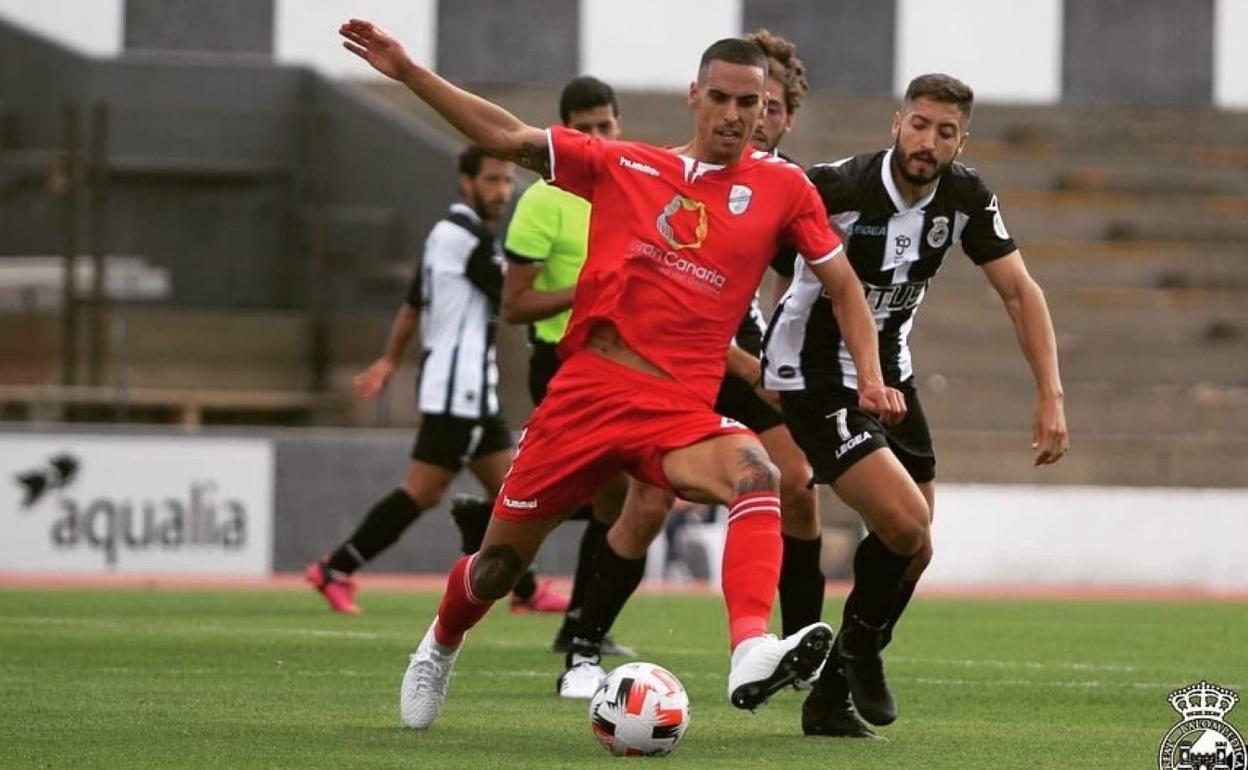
x: 732, y: 50
x: 586, y: 93
x: 942, y: 88
x: 792, y: 74
x: 470, y: 159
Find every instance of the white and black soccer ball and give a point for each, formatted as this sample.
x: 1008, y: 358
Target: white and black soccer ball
x: 640, y: 709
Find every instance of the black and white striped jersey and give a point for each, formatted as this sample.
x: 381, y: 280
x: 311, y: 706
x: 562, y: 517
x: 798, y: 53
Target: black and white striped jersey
x: 457, y: 290
x: 895, y: 249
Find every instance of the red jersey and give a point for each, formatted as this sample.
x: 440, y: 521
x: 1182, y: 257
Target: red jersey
x: 677, y: 247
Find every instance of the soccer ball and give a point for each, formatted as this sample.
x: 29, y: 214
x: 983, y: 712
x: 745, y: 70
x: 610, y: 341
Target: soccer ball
x: 640, y: 709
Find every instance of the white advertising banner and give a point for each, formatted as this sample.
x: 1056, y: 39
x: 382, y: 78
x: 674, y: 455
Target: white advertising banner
x: 71, y: 503
x: 1000, y: 535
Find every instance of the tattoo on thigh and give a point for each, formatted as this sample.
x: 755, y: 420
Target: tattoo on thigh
x: 759, y: 474
x: 495, y: 572
x: 534, y: 157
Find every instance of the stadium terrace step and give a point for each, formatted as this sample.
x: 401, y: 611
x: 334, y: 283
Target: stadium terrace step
x: 1061, y: 265
x: 1122, y: 314
x: 1092, y: 407
x: 1179, y: 459
x: 187, y: 406
x: 1177, y: 364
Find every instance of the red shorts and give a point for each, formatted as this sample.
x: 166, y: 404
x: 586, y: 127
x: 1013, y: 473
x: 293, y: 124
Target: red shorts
x: 600, y: 417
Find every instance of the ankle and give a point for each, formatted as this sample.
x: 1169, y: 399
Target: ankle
x: 860, y: 638
x: 583, y: 650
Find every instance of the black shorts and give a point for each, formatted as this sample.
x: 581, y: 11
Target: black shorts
x: 543, y: 364
x: 738, y: 401
x: 835, y: 433
x: 450, y: 442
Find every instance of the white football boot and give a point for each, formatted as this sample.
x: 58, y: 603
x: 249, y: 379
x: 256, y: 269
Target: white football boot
x: 764, y: 665
x: 582, y: 678
x: 424, y: 683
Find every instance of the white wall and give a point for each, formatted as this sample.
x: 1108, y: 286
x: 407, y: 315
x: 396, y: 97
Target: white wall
x: 306, y: 32
x: 960, y: 39
x: 674, y: 35
x: 92, y: 27
x: 1230, y: 63
x: 996, y: 535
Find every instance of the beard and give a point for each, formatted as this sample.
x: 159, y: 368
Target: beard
x: 901, y: 162
x: 489, y: 211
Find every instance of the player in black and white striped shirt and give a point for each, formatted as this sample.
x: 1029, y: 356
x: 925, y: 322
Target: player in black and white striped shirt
x: 899, y: 211
x: 456, y: 293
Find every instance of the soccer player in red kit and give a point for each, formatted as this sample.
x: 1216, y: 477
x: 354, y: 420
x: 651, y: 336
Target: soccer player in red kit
x: 679, y: 240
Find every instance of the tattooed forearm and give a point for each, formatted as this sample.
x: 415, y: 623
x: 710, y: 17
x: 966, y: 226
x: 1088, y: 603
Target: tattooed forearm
x: 757, y: 472
x: 535, y: 157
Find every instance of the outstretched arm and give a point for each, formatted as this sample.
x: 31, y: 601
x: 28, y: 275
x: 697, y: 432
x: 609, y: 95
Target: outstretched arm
x: 1025, y: 303
x: 854, y: 318
x: 494, y: 128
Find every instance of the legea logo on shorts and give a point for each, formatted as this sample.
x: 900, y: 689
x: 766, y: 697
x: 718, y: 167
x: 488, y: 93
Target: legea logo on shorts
x: 683, y: 223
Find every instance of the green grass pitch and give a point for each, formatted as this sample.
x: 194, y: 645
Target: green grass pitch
x: 270, y: 679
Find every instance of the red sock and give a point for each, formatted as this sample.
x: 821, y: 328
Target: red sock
x: 752, y: 556
x: 460, y: 610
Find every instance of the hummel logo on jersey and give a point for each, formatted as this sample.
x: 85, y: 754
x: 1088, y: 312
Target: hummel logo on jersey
x: 513, y: 503
x: 636, y: 166
x: 728, y: 422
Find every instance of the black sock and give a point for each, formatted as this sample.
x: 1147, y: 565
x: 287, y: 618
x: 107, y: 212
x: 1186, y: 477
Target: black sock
x: 878, y: 575
x: 801, y: 584
x: 593, y: 538
x: 526, y: 586
x: 903, y: 599
x: 614, y: 580
x: 472, y: 516
x: 383, y: 525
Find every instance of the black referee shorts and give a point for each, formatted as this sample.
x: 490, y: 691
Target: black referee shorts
x: 543, y: 364
x: 738, y: 401
x: 834, y: 432
x: 451, y: 442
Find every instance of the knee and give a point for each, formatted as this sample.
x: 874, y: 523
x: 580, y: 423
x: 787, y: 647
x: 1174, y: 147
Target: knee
x: 919, y: 563
x: 495, y: 572
x: 795, y: 491
x: 641, y: 520
x: 425, y: 496
x: 906, y: 530
x: 756, y: 472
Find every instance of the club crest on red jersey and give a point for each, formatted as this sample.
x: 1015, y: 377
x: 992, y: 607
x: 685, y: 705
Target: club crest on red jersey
x: 739, y: 199
x: 683, y: 223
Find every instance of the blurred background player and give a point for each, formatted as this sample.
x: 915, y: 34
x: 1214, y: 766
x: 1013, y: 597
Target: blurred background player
x: 547, y: 240
x: 741, y: 398
x: 899, y: 210
x: 456, y: 291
